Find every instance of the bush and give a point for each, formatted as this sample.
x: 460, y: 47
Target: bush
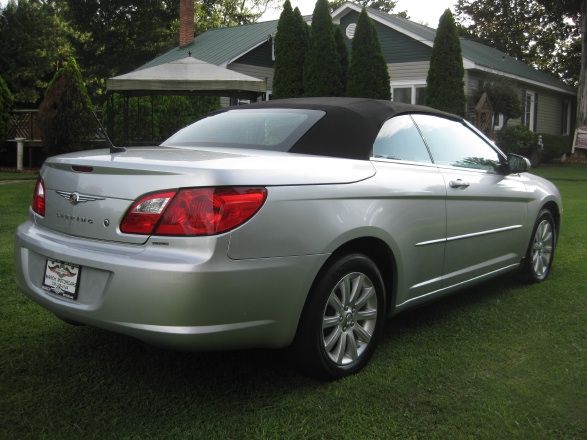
x: 518, y: 139
x: 554, y: 146
x: 6, y: 102
x: 65, y: 115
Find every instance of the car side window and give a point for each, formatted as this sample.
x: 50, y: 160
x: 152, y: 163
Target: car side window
x: 452, y: 143
x: 399, y: 139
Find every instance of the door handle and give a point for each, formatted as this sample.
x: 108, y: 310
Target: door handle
x: 459, y: 183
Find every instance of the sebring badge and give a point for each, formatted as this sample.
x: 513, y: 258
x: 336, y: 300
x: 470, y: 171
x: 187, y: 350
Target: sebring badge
x: 75, y: 197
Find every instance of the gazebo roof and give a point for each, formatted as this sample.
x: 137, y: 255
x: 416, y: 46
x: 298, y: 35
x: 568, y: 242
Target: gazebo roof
x: 185, y: 75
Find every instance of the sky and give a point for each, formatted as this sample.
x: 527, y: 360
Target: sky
x: 422, y: 11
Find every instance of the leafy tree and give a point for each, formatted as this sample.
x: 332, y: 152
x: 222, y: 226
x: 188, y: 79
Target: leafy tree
x: 34, y: 42
x: 542, y: 33
x: 504, y: 99
x: 446, y: 87
x: 322, y: 65
x: 290, y: 51
x: 368, y: 76
x: 116, y: 36
x: 223, y: 13
x: 6, y: 101
x: 577, y: 9
x: 343, y: 55
x: 65, y: 113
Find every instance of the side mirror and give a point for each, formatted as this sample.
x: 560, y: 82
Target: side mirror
x: 517, y: 164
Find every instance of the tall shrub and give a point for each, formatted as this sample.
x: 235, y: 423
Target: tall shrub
x: 368, y: 76
x: 65, y: 113
x: 322, y: 65
x: 446, y: 87
x: 343, y: 56
x: 6, y: 101
x: 290, y: 51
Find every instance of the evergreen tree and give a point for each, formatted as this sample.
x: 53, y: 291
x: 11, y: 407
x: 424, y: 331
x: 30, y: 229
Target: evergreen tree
x: 368, y: 76
x: 303, y: 28
x: 65, y: 113
x: 446, y: 87
x: 290, y: 51
x: 322, y: 66
x: 6, y: 101
x: 343, y: 56
x: 34, y: 42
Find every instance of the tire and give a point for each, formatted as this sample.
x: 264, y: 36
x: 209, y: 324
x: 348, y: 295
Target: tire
x: 540, y: 253
x: 354, y: 321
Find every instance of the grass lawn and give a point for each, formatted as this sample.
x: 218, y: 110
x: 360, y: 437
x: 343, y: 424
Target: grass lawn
x: 502, y: 360
x: 15, y: 175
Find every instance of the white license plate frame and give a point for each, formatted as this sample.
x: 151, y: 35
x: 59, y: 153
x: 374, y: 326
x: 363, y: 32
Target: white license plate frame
x: 62, y: 278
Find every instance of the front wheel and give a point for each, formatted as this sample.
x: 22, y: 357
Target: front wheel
x: 540, y: 252
x: 342, y: 320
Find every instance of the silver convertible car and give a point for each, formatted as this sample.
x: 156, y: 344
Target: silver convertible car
x: 301, y: 223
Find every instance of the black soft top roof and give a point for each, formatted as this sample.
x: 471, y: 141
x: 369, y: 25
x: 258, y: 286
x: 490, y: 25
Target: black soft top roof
x: 349, y: 126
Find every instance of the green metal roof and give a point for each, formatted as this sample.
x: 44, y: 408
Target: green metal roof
x: 220, y: 46
x: 480, y: 54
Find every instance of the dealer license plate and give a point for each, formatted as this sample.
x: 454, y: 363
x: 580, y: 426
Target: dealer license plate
x: 62, y: 278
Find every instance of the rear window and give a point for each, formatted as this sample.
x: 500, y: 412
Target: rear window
x: 268, y: 129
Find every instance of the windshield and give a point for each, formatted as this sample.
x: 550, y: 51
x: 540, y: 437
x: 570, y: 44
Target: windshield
x: 269, y: 129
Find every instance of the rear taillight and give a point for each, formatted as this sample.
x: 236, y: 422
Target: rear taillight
x: 193, y: 211
x: 143, y: 215
x: 38, y: 203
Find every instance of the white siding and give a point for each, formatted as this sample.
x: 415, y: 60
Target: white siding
x: 265, y: 73
x: 416, y: 70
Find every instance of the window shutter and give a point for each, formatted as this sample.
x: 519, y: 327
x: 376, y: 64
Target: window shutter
x: 524, y: 122
x: 535, y: 112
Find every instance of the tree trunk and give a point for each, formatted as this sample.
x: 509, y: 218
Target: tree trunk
x: 582, y: 92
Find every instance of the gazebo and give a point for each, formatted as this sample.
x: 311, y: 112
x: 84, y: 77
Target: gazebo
x: 186, y: 76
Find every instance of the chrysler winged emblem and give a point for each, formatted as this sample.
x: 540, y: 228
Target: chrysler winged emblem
x: 75, y: 197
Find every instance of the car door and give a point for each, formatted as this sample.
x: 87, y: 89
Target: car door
x: 486, y: 210
x: 413, y: 206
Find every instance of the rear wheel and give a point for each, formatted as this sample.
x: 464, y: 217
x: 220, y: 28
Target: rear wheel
x: 342, y: 320
x: 540, y: 252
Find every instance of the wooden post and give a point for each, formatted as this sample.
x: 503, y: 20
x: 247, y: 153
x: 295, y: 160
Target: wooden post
x: 19, y: 152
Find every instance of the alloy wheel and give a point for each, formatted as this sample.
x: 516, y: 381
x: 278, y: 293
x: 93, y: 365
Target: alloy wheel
x: 349, y: 318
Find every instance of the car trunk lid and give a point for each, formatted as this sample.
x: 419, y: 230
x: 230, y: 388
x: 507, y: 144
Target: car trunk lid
x: 88, y: 193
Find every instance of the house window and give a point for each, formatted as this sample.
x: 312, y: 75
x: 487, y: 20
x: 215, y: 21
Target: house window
x: 409, y: 93
x: 350, y: 30
x: 529, y: 109
x: 566, y: 118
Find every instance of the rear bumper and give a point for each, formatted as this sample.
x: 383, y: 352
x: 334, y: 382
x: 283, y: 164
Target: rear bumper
x: 186, y: 297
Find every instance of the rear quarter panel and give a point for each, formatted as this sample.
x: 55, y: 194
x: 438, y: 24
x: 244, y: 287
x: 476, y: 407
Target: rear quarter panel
x: 401, y: 205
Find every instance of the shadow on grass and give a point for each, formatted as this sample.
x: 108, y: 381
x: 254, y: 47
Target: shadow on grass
x: 118, y: 358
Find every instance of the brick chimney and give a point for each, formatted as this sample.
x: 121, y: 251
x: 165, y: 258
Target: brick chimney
x: 186, y: 22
